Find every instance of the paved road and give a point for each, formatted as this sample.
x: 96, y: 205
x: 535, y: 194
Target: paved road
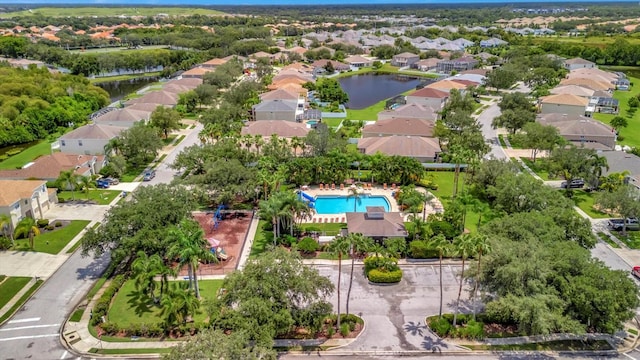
x: 34, y: 332
x: 474, y: 356
x: 485, y: 118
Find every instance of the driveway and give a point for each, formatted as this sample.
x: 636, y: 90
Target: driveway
x: 485, y: 119
x: 395, y: 315
x: 77, y: 212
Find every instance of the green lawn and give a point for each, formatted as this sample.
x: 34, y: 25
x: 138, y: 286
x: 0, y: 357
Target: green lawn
x: 21, y: 301
x: 630, y: 135
x: 585, y: 202
x: 538, y: 167
x: 329, y: 228
x: 100, y: 196
x: 77, y: 315
x: 132, y: 173
x: 130, y: 351
x: 608, y: 240
x: 26, y: 156
x: 632, y: 239
x: 52, y: 242
x: 112, y: 11
x: 371, y: 112
x: 10, y: 287
x: 559, y: 345
x: 130, y: 307
x: 259, y: 242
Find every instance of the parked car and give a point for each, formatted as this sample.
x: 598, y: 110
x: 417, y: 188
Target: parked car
x: 102, y: 184
x: 148, y: 175
x: 575, y: 184
x: 636, y: 272
x: 112, y: 181
x: 618, y: 224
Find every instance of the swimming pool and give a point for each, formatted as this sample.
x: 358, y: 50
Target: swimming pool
x: 326, y: 204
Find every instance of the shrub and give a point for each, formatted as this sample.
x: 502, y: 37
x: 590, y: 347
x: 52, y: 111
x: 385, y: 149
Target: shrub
x: 267, y: 226
x: 5, y: 243
x: 42, y: 222
x: 312, y: 228
x: 57, y: 224
x: 420, y: 249
x: 472, y: 330
x: 110, y: 328
x: 344, y: 329
x: 13, y: 152
x: 440, y: 326
x: 444, y: 228
x: 381, y: 276
x: 268, y: 237
x: 3, y: 157
x: 380, y: 262
x: 102, y: 305
x: 61, y: 201
x: 48, y: 227
x: 308, y: 245
x: 330, y: 331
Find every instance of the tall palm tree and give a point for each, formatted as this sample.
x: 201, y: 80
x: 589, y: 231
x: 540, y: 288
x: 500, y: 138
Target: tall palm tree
x: 86, y: 184
x: 339, y: 246
x: 258, y: 142
x: 247, y: 141
x: 464, y: 247
x: 114, y: 146
x: 358, y: 244
x: 179, y: 304
x: 273, y: 208
x: 29, y: 227
x: 296, y: 142
x: 68, y: 180
x: 144, y: 269
x: 442, y: 245
x: 6, y: 225
x: 188, y: 243
x: 352, y: 192
x: 482, y: 246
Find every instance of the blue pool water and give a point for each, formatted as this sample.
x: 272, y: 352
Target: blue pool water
x: 342, y: 204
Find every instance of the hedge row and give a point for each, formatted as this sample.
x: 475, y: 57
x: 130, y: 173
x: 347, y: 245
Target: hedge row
x: 152, y: 330
x: 381, y: 276
x: 102, y: 305
x: 466, y: 327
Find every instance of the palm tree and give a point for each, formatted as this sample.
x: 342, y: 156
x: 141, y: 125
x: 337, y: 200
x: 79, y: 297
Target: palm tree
x: 464, y: 247
x: 258, y: 142
x: 273, y: 209
x: 29, y: 227
x: 178, y: 305
x: 442, y: 245
x: 358, y: 244
x: 6, y: 224
x: 339, y: 246
x: 144, y: 269
x: 247, y: 141
x: 86, y: 184
x: 296, y: 142
x: 482, y: 246
x: 68, y: 180
x: 189, y: 245
x: 352, y: 192
x: 114, y: 146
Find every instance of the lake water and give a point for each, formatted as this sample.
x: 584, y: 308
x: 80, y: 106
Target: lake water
x: 121, y: 88
x: 367, y: 89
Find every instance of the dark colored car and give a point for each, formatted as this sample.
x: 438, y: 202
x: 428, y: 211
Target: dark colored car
x: 575, y: 184
x: 112, y: 181
x: 148, y: 175
x: 618, y: 224
x: 102, y: 184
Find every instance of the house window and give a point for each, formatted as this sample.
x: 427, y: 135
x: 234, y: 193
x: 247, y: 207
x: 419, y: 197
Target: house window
x: 16, y: 206
x: 79, y: 142
x: 63, y: 143
x: 26, y: 202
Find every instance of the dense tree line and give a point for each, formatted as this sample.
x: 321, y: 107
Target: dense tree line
x: 35, y: 103
x: 620, y: 52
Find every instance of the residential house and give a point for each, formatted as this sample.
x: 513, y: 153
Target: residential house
x: 284, y: 80
x: 48, y: 167
x: 277, y: 110
x: 399, y: 126
x: 283, y: 129
x: 581, y: 130
x: 492, y: 42
x: 410, y: 111
x: 430, y: 97
x: 448, y: 85
x: 213, y: 63
x: 563, y: 104
x: 578, y: 63
x: 159, y: 97
x: 358, y: 61
x: 573, y: 90
x: 376, y: 224
x: 125, y: 117
x: 426, y: 64
x: 89, y: 139
x: 622, y: 84
x: 594, y: 74
x: 319, y: 66
x: 423, y: 149
x: 458, y: 65
x: 590, y: 83
x: 279, y: 94
x: 196, y: 73
x: 404, y: 59
x: 620, y: 161
x: 190, y: 83
x: 25, y: 198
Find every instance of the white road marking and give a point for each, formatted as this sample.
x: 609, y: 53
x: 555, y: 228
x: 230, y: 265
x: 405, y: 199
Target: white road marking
x: 29, y: 337
x: 30, y: 327
x: 22, y: 320
x: 629, y: 356
x: 64, y: 355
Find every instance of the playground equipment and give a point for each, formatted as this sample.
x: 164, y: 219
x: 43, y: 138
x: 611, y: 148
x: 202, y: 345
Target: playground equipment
x: 217, y: 216
x: 310, y: 200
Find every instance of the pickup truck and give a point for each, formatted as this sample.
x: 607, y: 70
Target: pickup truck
x: 618, y: 224
x: 636, y: 272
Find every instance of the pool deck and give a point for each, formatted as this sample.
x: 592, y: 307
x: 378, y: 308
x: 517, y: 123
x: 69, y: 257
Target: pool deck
x: 435, y: 206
